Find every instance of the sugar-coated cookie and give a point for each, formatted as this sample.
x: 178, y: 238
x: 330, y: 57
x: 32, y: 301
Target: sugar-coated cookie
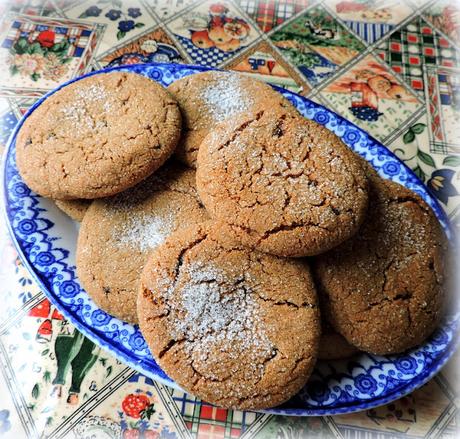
x: 284, y: 184
x: 383, y: 289
x: 209, y: 98
x: 117, y: 233
x: 98, y: 136
x: 234, y: 327
x: 332, y: 345
x: 76, y: 209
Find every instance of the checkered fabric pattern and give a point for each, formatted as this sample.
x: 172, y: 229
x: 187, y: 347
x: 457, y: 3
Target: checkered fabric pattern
x: 77, y: 37
x: 206, y: 421
x: 211, y: 57
x: 408, y: 51
x: 271, y: 13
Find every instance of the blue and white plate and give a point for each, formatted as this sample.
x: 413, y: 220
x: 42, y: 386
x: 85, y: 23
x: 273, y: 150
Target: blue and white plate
x: 46, y: 240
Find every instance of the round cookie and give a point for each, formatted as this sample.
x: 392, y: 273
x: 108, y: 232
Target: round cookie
x: 235, y: 327
x: 333, y: 346
x: 209, y: 98
x: 284, y: 184
x: 117, y: 234
x: 76, y: 209
x: 383, y: 289
x: 98, y: 136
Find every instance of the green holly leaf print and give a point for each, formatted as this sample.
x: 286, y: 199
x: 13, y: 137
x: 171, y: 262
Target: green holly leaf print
x: 418, y: 128
x: 21, y: 46
x: 120, y: 34
x: 109, y: 371
x: 36, y: 391
x: 139, y: 25
x: 35, y: 76
x: 60, y: 47
x: 148, y: 412
x: 451, y: 160
x: 45, y: 352
x: 426, y: 158
x: 35, y: 48
x: 409, y: 137
x: 66, y: 60
x: 419, y: 173
x: 14, y: 70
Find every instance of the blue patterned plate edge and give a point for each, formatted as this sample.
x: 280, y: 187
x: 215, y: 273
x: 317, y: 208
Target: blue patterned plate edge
x: 358, y: 140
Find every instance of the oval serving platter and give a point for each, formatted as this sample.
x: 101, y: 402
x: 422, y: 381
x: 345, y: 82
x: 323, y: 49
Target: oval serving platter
x: 46, y: 241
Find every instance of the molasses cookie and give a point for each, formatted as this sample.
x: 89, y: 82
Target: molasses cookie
x: 333, y: 346
x: 117, y: 233
x: 209, y: 98
x: 383, y: 289
x: 98, y: 136
x: 284, y: 184
x: 76, y: 209
x: 235, y: 327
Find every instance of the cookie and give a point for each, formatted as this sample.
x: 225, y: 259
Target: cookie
x: 333, y: 346
x: 234, y: 327
x: 76, y: 209
x: 98, y: 136
x: 209, y: 98
x: 284, y: 184
x: 117, y: 234
x: 383, y: 289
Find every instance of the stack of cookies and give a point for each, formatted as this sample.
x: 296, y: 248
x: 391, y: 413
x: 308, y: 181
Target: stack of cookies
x: 268, y: 244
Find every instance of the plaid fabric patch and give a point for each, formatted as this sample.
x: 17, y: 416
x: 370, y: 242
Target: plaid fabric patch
x: 78, y: 38
x: 206, y: 421
x: 408, y: 51
x: 271, y: 13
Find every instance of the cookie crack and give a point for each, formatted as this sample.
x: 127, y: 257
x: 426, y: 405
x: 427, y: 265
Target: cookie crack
x: 240, y: 129
x: 168, y: 347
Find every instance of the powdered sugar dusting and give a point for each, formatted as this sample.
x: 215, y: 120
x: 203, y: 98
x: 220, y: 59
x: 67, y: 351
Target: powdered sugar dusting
x: 217, y: 313
x: 77, y: 110
x: 146, y: 231
x: 225, y: 98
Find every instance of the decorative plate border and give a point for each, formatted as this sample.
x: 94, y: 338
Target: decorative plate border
x: 335, y: 387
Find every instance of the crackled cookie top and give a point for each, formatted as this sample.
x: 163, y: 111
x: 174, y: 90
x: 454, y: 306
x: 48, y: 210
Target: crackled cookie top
x: 284, y: 184
x: 209, y: 98
x: 117, y: 234
x: 235, y: 327
x: 76, y: 209
x: 98, y: 136
x: 383, y: 289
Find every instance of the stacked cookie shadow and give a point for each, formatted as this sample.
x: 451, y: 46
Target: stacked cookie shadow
x: 267, y: 245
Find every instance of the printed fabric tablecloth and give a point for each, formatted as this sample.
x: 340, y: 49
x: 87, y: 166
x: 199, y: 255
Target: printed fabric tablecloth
x: 388, y: 66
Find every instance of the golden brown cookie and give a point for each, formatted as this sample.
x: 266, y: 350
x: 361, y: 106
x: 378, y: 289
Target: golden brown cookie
x: 117, y: 233
x: 383, y: 289
x: 235, y: 327
x: 284, y: 184
x: 76, y: 209
x: 333, y: 346
x: 209, y: 98
x: 98, y: 136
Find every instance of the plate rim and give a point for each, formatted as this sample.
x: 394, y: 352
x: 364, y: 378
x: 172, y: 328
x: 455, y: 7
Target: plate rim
x: 413, y: 384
